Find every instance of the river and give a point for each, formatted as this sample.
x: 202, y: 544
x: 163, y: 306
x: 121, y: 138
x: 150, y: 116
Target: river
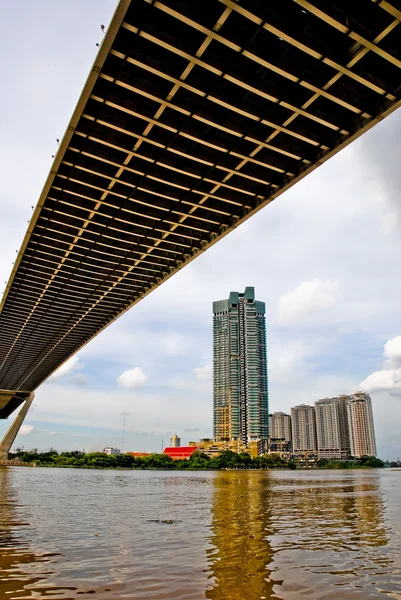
x: 229, y: 535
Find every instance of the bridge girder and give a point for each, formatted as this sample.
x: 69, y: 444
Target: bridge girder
x: 195, y: 116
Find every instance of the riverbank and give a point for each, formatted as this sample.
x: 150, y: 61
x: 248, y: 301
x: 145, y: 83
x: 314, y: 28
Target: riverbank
x: 15, y: 463
x: 197, y: 462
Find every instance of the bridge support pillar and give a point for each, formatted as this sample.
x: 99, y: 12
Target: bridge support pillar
x: 11, y: 434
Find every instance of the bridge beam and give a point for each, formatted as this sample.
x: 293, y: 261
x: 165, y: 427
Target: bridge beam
x: 10, y: 400
x: 11, y: 434
x: 195, y: 115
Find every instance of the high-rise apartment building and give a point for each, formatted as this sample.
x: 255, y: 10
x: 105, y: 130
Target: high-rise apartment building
x: 342, y: 403
x: 330, y: 428
x: 240, y: 385
x: 280, y: 426
x: 361, y: 428
x: 303, y: 427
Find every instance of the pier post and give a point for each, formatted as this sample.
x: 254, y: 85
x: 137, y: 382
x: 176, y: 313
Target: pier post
x: 11, y: 434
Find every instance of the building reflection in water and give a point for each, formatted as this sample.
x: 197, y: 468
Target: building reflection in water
x: 328, y: 533
x: 330, y: 514
x: 240, y: 549
x: 286, y: 535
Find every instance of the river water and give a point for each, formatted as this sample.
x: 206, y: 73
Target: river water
x: 231, y: 535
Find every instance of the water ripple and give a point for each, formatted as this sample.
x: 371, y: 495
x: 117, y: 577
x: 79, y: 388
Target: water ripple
x: 233, y: 535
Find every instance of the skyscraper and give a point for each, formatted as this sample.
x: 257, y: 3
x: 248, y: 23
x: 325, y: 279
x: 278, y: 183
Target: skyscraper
x: 240, y: 386
x: 361, y: 428
x: 303, y: 429
x: 331, y: 428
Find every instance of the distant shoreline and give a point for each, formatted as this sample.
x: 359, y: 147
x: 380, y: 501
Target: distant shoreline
x: 180, y: 469
x: 163, y: 462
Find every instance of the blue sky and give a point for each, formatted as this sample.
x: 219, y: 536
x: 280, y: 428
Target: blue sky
x: 325, y: 257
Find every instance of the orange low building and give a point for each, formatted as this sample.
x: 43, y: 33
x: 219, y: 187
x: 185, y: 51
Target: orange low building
x: 138, y: 454
x: 180, y: 453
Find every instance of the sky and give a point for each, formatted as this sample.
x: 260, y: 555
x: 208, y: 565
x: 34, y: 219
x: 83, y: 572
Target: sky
x: 325, y: 257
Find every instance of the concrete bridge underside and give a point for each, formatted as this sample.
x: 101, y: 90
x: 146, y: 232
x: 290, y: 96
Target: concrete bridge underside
x: 195, y: 115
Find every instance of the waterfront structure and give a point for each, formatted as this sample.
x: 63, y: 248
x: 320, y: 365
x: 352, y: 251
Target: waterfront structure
x: 361, y: 426
x: 180, y: 452
x: 215, y: 448
x: 281, y: 447
x: 111, y: 451
x: 240, y: 385
x: 303, y: 427
x: 12, y: 431
x: 175, y: 441
x: 280, y: 434
x: 139, y: 454
x: 329, y: 429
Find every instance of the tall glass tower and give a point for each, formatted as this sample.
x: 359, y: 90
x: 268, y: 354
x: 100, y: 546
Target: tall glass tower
x: 240, y: 385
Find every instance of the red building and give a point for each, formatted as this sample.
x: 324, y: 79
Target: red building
x: 180, y: 453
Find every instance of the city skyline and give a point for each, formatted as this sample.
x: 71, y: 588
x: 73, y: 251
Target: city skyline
x: 323, y: 256
x: 337, y: 428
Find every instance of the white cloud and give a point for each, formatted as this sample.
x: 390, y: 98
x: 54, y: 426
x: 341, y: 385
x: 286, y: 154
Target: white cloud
x: 203, y: 373
x: 389, y: 378
x: 71, y: 365
x: 307, y: 300
x: 132, y: 378
x: 392, y: 351
x: 26, y: 430
x: 152, y: 410
x: 386, y: 380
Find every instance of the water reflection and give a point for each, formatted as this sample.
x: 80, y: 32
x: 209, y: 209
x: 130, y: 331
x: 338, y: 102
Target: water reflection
x: 241, y: 550
x: 336, y: 514
x: 16, y: 559
x: 236, y: 535
x: 329, y: 533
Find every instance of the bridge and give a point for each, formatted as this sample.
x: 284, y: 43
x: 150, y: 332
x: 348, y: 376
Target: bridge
x: 195, y: 115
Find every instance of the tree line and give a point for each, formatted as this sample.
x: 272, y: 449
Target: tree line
x: 198, y: 461
x: 364, y: 461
